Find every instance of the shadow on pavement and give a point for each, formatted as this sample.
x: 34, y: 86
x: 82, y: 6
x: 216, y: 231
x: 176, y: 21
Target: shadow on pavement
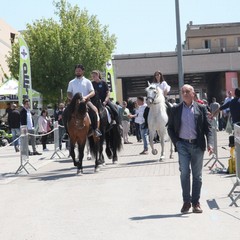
x: 160, y: 216
x: 212, y: 204
x: 53, y: 177
x: 57, y: 174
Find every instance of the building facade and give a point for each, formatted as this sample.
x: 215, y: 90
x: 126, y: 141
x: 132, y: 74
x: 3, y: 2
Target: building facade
x: 211, y: 59
x: 223, y: 37
x: 7, y: 35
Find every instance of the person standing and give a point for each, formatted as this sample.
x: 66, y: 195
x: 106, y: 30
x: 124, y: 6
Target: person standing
x: 14, y: 125
x: 141, y: 121
x: 125, y: 122
x: 26, y: 119
x: 233, y: 106
x: 43, y: 128
x: 136, y: 123
x: 226, y: 112
x: 8, y: 110
x: 214, y: 105
x: 120, y: 111
x: 188, y: 126
x: 59, y: 118
x: 82, y: 85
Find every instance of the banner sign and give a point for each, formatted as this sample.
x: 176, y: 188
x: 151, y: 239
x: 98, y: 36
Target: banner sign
x: 25, y: 81
x: 110, y: 80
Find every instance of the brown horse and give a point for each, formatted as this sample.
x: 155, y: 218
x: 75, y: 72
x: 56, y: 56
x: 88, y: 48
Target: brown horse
x: 78, y: 126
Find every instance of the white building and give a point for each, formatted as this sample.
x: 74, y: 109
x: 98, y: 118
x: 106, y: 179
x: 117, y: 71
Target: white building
x: 6, y: 33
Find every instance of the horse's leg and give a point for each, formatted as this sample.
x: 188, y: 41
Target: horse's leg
x: 171, y: 150
x: 80, y: 156
x: 97, y: 154
x: 151, y: 137
x: 161, y: 136
x: 72, y: 153
x: 101, y: 157
x: 115, y: 157
x: 89, y: 156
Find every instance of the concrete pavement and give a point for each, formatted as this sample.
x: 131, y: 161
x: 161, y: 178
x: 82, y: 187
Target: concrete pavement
x: 139, y: 198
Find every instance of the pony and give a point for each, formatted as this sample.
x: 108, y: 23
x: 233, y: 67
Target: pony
x: 78, y: 127
x: 111, y: 135
x: 157, y: 118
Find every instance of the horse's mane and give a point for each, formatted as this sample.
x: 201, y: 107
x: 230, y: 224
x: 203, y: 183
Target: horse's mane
x: 81, y: 110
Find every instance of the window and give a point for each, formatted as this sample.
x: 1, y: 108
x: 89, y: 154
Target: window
x: 223, y: 42
x: 238, y: 41
x: 207, y: 43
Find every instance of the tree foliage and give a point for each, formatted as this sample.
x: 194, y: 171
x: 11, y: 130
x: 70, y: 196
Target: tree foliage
x: 57, y: 46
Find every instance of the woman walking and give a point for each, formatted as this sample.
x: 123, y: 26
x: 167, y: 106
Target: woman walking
x: 44, y: 127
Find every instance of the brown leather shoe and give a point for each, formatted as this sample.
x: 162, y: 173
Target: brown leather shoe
x: 185, y: 208
x: 196, y: 208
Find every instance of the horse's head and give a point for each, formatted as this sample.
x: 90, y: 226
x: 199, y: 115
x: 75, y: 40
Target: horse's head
x: 152, y: 93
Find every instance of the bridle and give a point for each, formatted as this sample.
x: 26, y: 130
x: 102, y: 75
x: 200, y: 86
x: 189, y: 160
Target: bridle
x: 152, y: 98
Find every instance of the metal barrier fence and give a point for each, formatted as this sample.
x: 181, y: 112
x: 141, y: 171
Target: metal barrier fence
x: 215, y: 147
x: 56, y: 140
x: 24, y: 153
x: 234, y: 196
x: 24, y: 146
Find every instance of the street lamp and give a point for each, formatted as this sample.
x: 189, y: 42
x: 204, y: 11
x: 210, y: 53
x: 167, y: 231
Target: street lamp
x: 179, y: 48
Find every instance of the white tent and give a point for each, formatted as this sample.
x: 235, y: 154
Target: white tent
x: 9, y: 92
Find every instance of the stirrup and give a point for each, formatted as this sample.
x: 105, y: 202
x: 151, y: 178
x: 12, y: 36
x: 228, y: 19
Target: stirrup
x: 98, y: 133
x: 65, y: 137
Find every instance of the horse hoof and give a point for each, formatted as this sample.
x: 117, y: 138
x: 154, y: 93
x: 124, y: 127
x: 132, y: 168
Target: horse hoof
x: 79, y: 172
x: 115, y: 162
x: 154, y: 151
x: 171, y: 157
x: 97, y: 169
x: 75, y: 164
x: 161, y: 158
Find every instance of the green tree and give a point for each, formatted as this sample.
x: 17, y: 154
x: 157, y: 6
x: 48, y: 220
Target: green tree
x: 56, y: 46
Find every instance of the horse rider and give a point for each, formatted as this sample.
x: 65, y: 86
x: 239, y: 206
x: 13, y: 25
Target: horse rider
x: 82, y: 85
x: 102, y: 91
x: 159, y: 81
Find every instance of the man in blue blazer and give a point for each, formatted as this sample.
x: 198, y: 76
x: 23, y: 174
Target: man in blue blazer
x: 188, y: 127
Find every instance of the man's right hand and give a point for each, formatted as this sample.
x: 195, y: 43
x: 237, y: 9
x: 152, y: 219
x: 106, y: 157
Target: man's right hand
x: 84, y: 99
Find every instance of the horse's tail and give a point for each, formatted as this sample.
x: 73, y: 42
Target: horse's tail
x: 116, y: 137
x: 93, y: 146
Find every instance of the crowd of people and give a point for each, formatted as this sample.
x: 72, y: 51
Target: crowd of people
x: 189, y: 124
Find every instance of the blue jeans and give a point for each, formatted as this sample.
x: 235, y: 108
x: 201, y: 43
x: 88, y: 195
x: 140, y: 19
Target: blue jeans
x: 144, y: 134
x: 190, y: 155
x: 15, y: 134
x: 138, y: 132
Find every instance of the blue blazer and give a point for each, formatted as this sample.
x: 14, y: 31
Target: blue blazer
x: 203, y: 125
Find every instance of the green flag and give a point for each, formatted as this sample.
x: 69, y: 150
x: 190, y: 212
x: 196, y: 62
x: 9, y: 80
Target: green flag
x: 110, y: 80
x: 25, y: 81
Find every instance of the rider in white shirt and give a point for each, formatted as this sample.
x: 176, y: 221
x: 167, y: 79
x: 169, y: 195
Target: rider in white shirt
x: 82, y: 85
x: 161, y: 83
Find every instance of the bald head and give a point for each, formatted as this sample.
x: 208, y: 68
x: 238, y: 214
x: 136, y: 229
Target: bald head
x: 188, y: 93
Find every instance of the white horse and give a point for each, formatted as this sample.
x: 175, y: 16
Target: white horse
x: 157, y: 118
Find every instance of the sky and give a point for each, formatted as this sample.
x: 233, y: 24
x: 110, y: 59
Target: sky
x: 140, y: 26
